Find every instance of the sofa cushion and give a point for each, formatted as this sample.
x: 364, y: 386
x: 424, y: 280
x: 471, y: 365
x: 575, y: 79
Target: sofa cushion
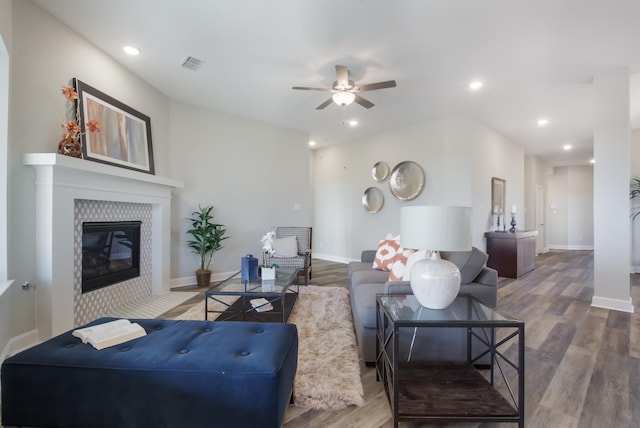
x: 387, y: 249
x: 470, y: 263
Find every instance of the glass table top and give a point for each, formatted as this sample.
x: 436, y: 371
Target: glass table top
x: 236, y: 285
x: 464, y: 310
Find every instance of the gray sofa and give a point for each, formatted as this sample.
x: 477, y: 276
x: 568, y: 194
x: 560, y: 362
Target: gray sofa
x: 365, y: 282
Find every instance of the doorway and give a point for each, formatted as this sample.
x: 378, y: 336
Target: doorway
x: 540, y: 220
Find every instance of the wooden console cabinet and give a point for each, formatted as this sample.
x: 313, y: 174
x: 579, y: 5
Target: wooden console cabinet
x: 512, y: 254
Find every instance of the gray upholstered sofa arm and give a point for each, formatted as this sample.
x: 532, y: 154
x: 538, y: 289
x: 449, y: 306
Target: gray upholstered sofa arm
x: 487, y: 276
x: 368, y: 256
x: 397, y: 287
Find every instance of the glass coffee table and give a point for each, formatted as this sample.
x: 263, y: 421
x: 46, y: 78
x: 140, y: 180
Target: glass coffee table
x: 450, y: 391
x: 235, y: 299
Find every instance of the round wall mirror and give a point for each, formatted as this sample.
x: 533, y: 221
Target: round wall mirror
x: 380, y: 171
x: 407, y: 180
x: 372, y: 200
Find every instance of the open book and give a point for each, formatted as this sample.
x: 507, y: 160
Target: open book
x: 110, y: 333
x: 261, y: 305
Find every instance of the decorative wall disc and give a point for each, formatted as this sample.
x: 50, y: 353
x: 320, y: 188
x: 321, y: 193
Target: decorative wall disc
x: 380, y: 171
x: 407, y: 180
x: 372, y: 200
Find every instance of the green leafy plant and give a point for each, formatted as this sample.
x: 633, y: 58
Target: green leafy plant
x: 634, y: 193
x: 207, y: 236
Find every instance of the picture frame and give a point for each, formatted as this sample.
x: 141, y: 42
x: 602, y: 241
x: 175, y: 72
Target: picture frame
x: 124, y: 138
x: 498, y: 192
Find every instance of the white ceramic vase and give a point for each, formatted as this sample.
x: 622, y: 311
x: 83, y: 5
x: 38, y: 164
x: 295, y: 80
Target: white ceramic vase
x: 268, y: 273
x: 435, y: 282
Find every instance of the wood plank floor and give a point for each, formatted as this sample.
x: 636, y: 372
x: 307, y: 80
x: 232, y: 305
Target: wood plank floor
x: 582, y: 363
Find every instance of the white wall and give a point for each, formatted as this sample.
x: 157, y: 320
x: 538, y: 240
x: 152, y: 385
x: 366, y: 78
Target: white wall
x: 256, y: 175
x: 570, y: 208
x: 459, y: 156
x: 5, y: 50
x: 46, y: 55
x: 537, y: 173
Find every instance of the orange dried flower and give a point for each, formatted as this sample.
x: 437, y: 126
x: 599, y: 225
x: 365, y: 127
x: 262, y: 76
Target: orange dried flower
x: 72, y: 128
x: 69, y: 93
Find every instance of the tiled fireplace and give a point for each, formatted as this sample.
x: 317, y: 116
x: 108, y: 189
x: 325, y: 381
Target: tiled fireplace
x: 93, y: 304
x: 71, y: 191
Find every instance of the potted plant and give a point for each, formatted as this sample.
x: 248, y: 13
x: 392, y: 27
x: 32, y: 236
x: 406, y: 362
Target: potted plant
x: 634, y: 193
x: 268, y: 271
x: 207, y: 239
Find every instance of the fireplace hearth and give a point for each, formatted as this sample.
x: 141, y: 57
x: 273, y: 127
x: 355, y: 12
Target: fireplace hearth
x: 110, y: 253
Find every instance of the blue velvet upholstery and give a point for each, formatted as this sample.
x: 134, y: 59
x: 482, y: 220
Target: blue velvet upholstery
x: 182, y: 374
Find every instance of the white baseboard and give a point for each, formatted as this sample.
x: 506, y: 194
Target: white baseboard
x: 336, y: 259
x: 571, y: 247
x: 614, y: 304
x: 191, y: 280
x: 19, y: 343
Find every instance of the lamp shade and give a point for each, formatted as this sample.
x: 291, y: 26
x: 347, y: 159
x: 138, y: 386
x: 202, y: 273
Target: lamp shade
x: 343, y: 98
x: 435, y: 227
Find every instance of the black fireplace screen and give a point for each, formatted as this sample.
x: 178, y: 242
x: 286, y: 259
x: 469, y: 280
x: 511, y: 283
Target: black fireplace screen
x: 110, y: 253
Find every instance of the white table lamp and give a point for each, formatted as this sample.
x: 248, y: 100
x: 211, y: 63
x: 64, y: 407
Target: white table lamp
x: 435, y: 282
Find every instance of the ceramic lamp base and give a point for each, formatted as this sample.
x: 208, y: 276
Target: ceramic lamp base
x: 435, y: 282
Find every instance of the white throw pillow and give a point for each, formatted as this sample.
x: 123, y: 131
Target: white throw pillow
x: 285, y: 247
x: 418, y: 255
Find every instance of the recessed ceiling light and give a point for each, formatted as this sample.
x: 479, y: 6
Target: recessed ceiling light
x: 475, y: 85
x: 131, y: 50
x: 567, y: 147
x: 543, y: 122
x: 353, y: 122
x: 312, y: 143
x: 592, y: 161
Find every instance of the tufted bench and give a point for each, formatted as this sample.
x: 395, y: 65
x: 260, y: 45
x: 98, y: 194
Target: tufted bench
x: 181, y: 374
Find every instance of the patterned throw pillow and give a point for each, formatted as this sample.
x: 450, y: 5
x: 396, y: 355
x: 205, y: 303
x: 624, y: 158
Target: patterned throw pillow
x: 418, y: 255
x: 399, y: 263
x: 387, y: 250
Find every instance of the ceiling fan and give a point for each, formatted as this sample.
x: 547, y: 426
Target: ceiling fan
x: 345, y: 90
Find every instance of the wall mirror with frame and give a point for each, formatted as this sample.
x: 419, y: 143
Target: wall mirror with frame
x: 498, y: 190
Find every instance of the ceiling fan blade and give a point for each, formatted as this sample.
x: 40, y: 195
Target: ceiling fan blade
x: 324, y: 104
x: 306, y: 88
x: 379, y: 85
x: 342, y: 76
x: 364, y: 103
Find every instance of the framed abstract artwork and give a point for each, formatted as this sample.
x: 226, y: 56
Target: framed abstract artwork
x: 124, y: 135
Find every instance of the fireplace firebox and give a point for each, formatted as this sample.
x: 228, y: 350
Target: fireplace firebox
x: 110, y: 253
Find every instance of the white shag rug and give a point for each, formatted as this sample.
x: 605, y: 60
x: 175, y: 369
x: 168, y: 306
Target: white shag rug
x: 328, y: 375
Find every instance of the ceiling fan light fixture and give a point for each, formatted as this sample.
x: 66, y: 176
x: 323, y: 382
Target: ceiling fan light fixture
x: 343, y: 98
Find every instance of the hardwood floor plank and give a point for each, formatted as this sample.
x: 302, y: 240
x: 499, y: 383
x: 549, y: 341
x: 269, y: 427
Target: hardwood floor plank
x: 634, y: 392
x: 568, y: 388
x: 555, y: 345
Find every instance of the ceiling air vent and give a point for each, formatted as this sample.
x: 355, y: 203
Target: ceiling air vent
x: 192, y: 63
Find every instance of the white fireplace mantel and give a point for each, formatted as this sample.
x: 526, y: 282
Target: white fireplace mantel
x: 60, y: 180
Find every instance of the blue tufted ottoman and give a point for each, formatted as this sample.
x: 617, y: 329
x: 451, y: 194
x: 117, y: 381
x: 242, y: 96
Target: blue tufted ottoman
x: 181, y: 374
